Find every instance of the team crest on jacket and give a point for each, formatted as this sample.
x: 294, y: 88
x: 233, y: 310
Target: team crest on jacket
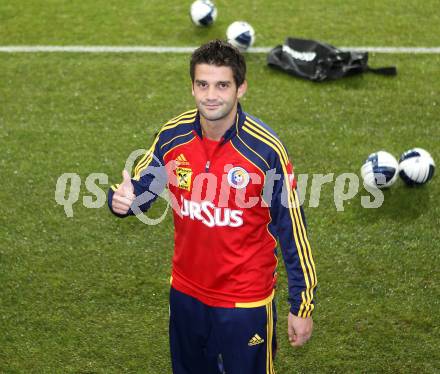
x: 184, y: 178
x: 238, y: 177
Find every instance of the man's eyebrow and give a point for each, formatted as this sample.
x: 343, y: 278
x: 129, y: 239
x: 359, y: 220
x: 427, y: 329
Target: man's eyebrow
x: 218, y: 82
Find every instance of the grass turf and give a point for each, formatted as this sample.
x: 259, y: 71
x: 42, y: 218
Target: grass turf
x: 167, y: 22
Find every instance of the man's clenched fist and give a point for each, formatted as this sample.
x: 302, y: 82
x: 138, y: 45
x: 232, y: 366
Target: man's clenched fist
x: 124, y: 195
x: 299, y: 329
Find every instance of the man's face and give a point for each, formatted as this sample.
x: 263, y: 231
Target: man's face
x: 215, y: 91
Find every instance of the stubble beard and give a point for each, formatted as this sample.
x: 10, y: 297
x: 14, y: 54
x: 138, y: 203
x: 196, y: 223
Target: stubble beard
x: 223, y: 111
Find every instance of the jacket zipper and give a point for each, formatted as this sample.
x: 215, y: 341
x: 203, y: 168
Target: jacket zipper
x: 208, y: 162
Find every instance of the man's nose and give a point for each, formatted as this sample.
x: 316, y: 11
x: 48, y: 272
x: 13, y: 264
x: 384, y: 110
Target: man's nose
x: 211, y: 93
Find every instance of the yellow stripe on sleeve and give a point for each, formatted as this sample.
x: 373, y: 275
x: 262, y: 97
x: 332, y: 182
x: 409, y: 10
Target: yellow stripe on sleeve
x: 300, y: 236
x: 295, y: 201
x: 187, y: 114
x: 185, y: 118
x: 178, y: 136
x: 188, y: 141
x: 238, y: 136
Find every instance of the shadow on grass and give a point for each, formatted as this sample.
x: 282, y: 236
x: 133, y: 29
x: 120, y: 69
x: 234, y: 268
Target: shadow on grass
x: 355, y: 81
x: 401, y: 203
x: 351, y: 82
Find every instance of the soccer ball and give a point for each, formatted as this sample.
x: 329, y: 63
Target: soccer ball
x: 380, y: 170
x: 416, y: 166
x: 241, y: 35
x: 203, y: 12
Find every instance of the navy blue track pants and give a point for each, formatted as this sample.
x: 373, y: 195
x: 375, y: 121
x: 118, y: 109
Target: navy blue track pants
x: 214, y: 340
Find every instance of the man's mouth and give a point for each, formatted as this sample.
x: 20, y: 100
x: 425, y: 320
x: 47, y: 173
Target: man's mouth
x: 212, y: 106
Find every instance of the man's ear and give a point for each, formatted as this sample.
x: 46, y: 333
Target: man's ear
x: 192, y: 88
x: 242, y: 89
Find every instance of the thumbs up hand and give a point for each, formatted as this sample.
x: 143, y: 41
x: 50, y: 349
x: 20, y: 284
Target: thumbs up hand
x: 124, y: 195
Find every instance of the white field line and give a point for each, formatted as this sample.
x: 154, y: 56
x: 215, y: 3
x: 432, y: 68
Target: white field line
x: 162, y: 49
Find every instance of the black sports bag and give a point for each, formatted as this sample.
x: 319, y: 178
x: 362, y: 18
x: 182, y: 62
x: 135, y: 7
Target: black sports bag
x: 319, y: 61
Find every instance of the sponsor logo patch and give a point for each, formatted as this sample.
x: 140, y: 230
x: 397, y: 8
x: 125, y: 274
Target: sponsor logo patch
x: 184, y: 178
x: 210, y: 215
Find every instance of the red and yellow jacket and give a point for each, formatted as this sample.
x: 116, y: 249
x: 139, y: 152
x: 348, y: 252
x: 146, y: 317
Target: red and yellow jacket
x: 231, y: 202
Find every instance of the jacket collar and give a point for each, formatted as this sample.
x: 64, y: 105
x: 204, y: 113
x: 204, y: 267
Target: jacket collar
x: 231, y: 132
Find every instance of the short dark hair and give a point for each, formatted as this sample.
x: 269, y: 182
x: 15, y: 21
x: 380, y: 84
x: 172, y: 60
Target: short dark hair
x: 220, y: 53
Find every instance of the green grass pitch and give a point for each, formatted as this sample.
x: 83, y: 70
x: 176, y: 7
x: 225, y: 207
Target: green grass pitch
x: 89, y: 293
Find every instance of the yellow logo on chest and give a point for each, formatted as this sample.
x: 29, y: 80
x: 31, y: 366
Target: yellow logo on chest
x: 184, y: 178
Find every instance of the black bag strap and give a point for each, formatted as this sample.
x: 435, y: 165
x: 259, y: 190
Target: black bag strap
x: 388, y: 70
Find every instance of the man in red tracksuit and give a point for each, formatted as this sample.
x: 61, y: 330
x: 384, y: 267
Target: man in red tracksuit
x: 233, y: 195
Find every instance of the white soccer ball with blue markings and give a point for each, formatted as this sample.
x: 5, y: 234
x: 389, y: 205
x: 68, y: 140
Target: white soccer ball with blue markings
x: 241, y: 35
x: 203, y: 12
x: 416, y: 166
x: 380, y: 170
